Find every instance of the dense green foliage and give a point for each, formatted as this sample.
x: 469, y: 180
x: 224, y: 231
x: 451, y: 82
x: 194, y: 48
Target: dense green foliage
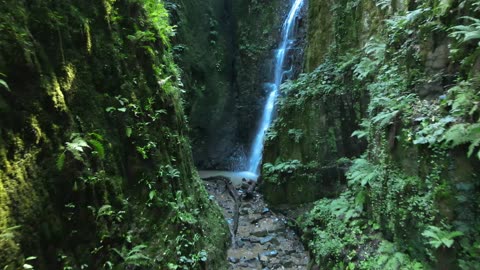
x: 383, y: 132
x: 95, y: 166
x: 410, y: 201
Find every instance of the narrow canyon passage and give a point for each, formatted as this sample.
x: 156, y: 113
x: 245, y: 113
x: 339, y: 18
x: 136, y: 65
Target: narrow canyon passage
x: 240, y: 134
x: 261, y: 237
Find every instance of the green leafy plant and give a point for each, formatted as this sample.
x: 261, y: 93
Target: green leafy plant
x: 271, y: 134
x: 362, y: 133
x: 276, y: 173
x: 295, y: 134
x: 27, y: 262
x: 465, y: 33
x: 464, y: 99
x: 374, y: 56
x: 124, y: 104
x: 383, y: 4
x: 77, y: 148
x: 8, y: 233
x: 388, y: 256
x: 362, y: 172
x: 344, y: 209
x: 4, y: 84
x: 385, y: 118
x: 160, y: 19
x: 464, y: 134
x: 136, y: 256
x: 142, y: 36
x: 181, y: 212
x: 96, y: 140
x: 440, y: 238
x: 431, y: 131
x: 168, y: 171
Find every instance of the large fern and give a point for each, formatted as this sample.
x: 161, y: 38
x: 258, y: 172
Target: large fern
x: 464, y: 99
x: 362, y: 173
x: 98, y: 147
x: 383, y: 4
x: 389, y: 257
x: 374, y: 55
x: 77, y: 147
x: 465, y: 33
x: 464, y: 133
x: 438, y: 237
x: 361, y: 133
x: 384, y: 118
x: 135, y: 257
x: 60, y: 161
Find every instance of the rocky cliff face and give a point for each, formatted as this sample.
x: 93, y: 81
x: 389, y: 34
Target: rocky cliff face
x: 224, y: 50
x: 95, y: 166
x: 402, y: 78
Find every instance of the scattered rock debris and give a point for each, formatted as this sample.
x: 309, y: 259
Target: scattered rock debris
x: 261, y: 238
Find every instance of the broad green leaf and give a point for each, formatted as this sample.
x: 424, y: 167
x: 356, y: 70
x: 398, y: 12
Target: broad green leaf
x: 5, y: 85
x: 128, y: 132
x: 152, y: 194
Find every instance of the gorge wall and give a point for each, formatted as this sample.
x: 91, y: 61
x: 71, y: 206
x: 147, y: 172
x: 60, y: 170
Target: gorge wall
x: 379, y: 136
x: 226, y: 50
x: 95, y: 165
x: 383, y: 129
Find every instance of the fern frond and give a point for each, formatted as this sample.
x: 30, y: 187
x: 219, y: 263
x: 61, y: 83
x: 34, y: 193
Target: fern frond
x: 8, y: 232
x: 5, y: 85
x: 473, y: 145
x: 465, y: 33
x: 383, y: 4
x: 359, y: 133
x: 362, y: 172
x: 456, y: 135
x: 98, y: 147
x: 95, y: 136
x: 60, y: 161
x: 364, y: 131
x: 76, y: 147
x: 462, y: 133
x: 384, y: 118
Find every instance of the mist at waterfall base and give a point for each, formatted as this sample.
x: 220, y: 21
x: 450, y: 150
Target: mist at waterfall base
x: 255, y: 157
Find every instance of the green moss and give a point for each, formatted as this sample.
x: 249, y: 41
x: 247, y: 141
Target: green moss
x: 84, y: 61
x: 418, y: 171
x: 52, y: 87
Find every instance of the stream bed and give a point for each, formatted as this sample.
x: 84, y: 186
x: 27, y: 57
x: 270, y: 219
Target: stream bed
x: 261, y: 238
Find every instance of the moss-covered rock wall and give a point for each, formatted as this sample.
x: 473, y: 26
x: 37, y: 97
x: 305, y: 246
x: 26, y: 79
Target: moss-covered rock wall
x: 95, y: 165
x: 393, y: 87
x: 224, y: 48
x: 318, y: 112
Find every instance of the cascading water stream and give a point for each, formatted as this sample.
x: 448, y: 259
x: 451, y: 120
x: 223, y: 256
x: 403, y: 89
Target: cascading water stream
x: 285, y: 45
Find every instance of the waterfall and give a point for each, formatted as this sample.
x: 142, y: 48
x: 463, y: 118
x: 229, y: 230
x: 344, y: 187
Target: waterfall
x: 286, y: 43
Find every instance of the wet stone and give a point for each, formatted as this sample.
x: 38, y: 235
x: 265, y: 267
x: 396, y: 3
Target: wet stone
x: 262, y: 241
x: 254, y: 240
x: 233, y: 260
x: 259, y: 233
x: 266, y: 239
x: 272, y: 253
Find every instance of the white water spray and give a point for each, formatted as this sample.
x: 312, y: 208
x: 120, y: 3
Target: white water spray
x: 285, y: 45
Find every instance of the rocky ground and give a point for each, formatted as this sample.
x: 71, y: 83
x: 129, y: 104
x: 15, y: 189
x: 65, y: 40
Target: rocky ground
x: 261, y: 238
